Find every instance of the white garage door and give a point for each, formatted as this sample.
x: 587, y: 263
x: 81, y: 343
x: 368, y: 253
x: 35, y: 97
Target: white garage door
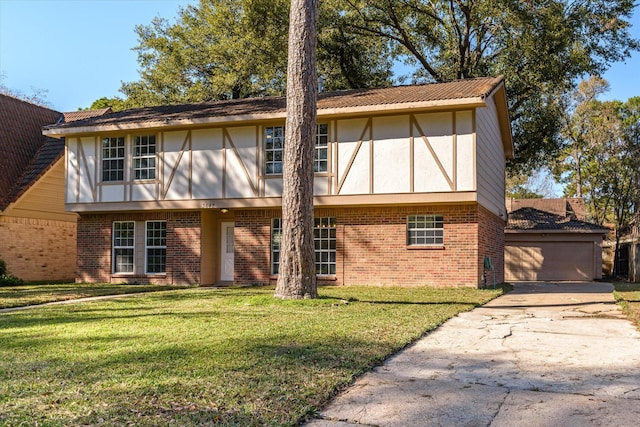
x: 532, y: 261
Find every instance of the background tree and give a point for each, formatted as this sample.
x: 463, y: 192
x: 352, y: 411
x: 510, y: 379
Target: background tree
x: 221, y: 49
x: 38, y: 96
x: 538, y: 184
x: 115, y: 103
x: 579, y: 108
x: 602, y: 156
x: 540, y: 47
x: 297, y: 271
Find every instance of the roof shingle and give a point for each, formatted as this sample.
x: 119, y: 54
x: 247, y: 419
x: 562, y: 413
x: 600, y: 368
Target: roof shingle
x: 456, y: 90
x: 536, y: 220
x: 20, y: 140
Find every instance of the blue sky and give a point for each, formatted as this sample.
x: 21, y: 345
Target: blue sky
x: 80, y: 50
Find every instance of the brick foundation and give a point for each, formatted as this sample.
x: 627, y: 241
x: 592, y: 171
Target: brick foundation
x: 38, y: 249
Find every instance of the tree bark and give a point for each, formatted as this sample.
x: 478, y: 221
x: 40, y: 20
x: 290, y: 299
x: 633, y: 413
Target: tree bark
x: 297, y: 271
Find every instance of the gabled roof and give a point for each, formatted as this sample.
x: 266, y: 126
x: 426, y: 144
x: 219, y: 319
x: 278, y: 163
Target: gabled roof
x: 457, y: 94
x: 74, y: 116
x: 531, y: 219
x: 21, y: 140
x: 566, y: 206
x: 26, y: 153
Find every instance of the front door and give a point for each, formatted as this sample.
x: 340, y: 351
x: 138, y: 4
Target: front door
x: 226, y: 252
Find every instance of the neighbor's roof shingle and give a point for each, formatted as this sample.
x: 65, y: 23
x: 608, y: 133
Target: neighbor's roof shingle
x: 536, y: 220
x: 460, y: 89
x: 21, y: 140
x: 73, y: 116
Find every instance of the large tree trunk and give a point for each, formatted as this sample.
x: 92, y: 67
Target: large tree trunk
x: 297, y: 271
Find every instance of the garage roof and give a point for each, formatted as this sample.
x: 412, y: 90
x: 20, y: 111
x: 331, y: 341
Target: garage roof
x: 531, y: 219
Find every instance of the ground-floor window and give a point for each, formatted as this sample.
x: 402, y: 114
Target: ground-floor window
x: 156, y: 246
x: 324, y: 236
x: 425, y: 230
x: 123, y: 246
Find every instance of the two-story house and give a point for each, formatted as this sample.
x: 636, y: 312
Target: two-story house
x: 408, y: 189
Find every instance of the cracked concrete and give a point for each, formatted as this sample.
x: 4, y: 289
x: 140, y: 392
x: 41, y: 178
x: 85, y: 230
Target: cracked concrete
x: 542, y: 355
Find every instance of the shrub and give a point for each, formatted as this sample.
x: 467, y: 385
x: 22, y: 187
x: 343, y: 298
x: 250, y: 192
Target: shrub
x: 5, y: 277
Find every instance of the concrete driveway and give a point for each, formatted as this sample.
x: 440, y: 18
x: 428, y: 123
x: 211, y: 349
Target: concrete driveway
x: 551, y: 354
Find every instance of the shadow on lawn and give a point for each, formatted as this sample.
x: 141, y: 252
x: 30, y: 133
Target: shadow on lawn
x: 238, y: 381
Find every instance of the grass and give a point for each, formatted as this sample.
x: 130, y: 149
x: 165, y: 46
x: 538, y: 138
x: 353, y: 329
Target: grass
x: 233, y: 356
x: 628, y: 296
x: 33, y: 294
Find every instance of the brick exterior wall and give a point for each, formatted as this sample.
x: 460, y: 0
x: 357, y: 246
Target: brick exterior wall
x: 183, y: 247
x: 491, y: 244
x: 371, y: 247
x: 38, y: 249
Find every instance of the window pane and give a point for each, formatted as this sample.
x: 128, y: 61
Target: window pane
x: 425, y: 230
x: 144, y: 157
x: 274, y: 141
x: 156, y: 246
x: 123, y: 246
x: 321, y: 152
x: 276, y: 239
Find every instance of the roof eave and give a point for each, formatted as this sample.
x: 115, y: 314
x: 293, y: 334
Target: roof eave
x: 499, y: 93
x: 553, y: 231
x: 458, y: 103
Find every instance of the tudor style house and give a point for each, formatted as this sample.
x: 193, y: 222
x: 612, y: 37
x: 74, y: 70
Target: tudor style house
x: 408, y: 189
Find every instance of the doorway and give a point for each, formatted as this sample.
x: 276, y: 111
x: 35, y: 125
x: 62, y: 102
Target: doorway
x: 226, y: 252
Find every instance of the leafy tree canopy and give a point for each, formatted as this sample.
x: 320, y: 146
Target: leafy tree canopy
x: 601, y: 157
x: 541, y: 47
x: 220, y: 49
x: 223, y: 49
x: 116, y: 104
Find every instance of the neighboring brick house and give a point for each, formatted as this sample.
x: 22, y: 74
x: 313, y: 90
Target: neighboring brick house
x: 37, y: 236
x: 549, y: 240
x: 409, y: 188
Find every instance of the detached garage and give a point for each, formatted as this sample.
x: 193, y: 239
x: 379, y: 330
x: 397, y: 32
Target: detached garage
x: 542, y: 246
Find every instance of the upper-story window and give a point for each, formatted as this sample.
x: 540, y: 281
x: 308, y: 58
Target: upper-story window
x: 113, y: 159
x: 144, y: 157
x: 274, y: 144
x: 322, y: 147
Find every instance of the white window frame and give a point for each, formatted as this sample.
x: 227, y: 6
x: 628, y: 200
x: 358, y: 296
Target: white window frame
x: 321, y: 153
x: 324, y: 238
x: 274, y: 149
x: 158, y: 243
x: 144, y: 157
x: 426, y: 230
x: 123, y: 243
x: 113, y: 153
x: 276, y: 241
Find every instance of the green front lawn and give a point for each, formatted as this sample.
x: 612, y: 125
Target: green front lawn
x: 628, y: 296
x: 192, y: 357
x: 32, y: 294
